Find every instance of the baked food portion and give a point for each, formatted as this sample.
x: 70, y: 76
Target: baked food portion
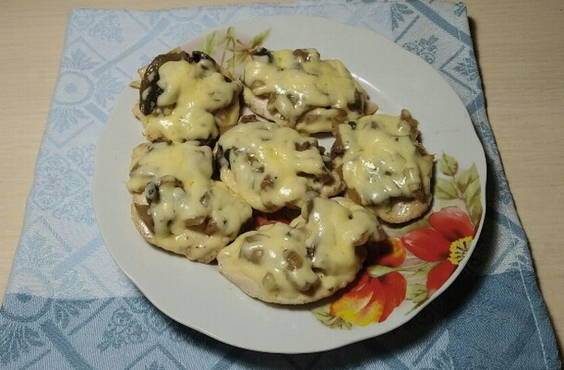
x: 298, y: 89
x: 385, y: 166
x: 176, y: 205
x: 186, y: 97
x: 272, y: 167
x: 317, y: 254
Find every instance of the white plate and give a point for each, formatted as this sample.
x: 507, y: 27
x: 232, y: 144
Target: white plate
x: 195, y: 294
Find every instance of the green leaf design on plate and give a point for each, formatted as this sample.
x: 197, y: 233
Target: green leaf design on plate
x: 469, y: 184
x: 324, y: 315
x: 378, y: 270
x: 474, y: 206
x: 448, y: 165
x: 468, y: 177
x: 422, y: 272
x: 229, y: 51
x: 416, y: 293
x: 230, y: 33
x: 259, y: 39
x: 445, y: 189
x: 472, y: 190
x: 209, y: 44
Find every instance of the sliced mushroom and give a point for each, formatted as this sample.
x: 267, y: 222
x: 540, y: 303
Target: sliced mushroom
x: 358, y: 104
x: 150, y: 90
x: 152, y: 193
x: 168, y: 179
x: 300, y: 147
x: 198, y: 56
x: 252, y: 249
x: 263, y: 52
x: 269, y: 282
x: 248, y: 118
x: 267, y: 182
x: 293, y: 260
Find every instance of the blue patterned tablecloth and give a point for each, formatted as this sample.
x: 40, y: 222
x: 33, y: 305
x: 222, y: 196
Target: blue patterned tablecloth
x: 69, y: 306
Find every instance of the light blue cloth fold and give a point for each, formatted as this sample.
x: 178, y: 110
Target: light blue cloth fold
x: 69, y: 306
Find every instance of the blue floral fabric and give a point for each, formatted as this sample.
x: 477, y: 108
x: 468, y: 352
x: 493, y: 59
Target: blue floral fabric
x: 69, y: 306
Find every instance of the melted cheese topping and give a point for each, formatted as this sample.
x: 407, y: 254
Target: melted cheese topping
x: 271, y: 166
x: 297, y: 84
x: 381, y: 159
x: 176, y: 182
x: 306, y: 260
x: 282, y: 259
x: 192, y: 92
x: 334, y: 226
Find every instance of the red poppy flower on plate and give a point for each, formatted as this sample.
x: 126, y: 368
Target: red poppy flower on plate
x: 370, y: 299
x: 446, y: 241
x: 392, y: 253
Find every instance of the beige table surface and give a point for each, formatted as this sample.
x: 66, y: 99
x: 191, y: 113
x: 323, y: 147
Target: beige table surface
x: 522, y: 64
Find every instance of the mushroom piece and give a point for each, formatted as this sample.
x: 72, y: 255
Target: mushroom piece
x: 150, y: 90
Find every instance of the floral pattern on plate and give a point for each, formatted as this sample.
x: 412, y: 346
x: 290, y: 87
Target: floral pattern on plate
x: 417, y: 259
